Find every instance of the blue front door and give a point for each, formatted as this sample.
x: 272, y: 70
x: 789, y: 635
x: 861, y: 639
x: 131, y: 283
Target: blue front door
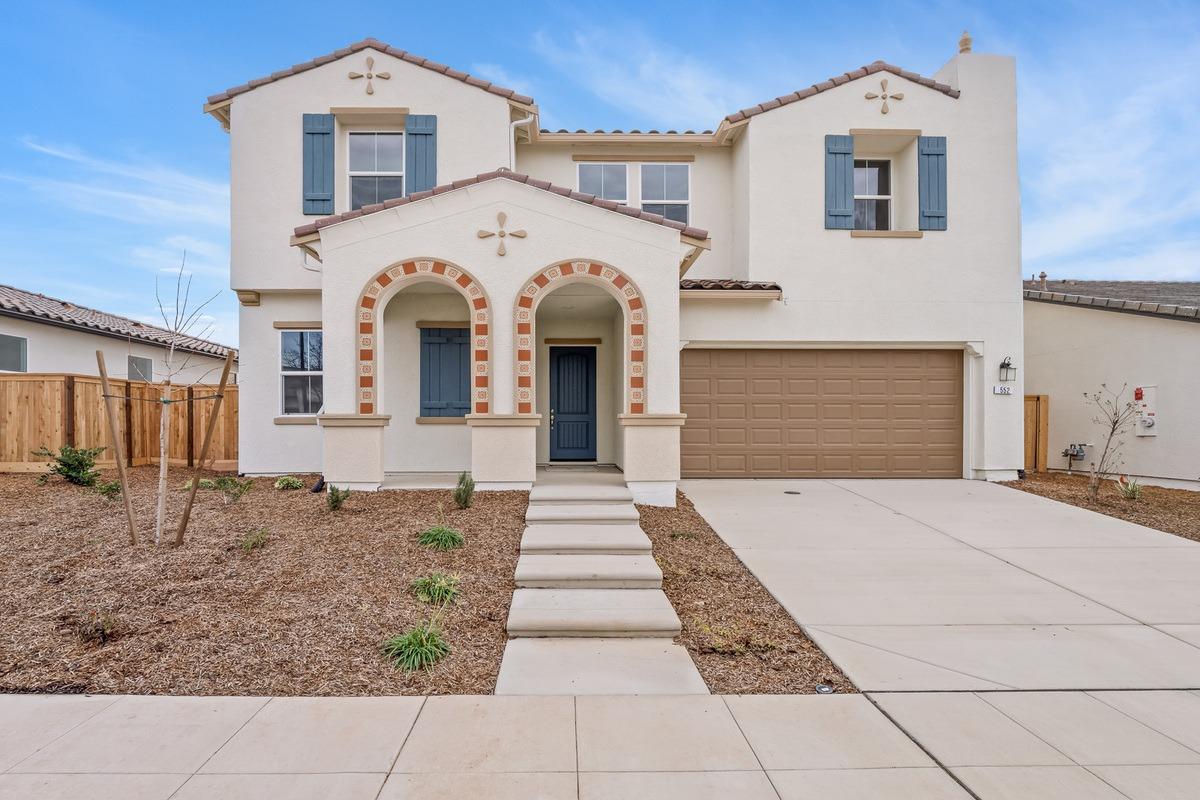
x: 572, y: 404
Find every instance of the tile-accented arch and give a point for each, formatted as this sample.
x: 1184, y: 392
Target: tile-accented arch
x: 632, y: 305
x: 414, y: 271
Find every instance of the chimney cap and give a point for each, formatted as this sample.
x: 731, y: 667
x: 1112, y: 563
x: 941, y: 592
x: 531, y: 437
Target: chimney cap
x: 964, y: 43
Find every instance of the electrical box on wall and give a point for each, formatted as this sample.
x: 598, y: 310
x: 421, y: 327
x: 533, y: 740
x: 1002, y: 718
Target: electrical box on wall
x: 1147, y: 411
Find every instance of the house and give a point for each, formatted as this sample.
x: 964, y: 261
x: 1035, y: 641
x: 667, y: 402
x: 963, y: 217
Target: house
x: 1141, y: 337
x: 46, y: 334
x: 824, y: 285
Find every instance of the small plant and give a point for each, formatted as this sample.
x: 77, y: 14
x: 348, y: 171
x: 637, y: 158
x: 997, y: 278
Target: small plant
x: 682, y: 534
x: 288, y: 482
x: 232, y: 488
x: 438, y: 588
x: 441, y: 537
x: 418, y: 648
x: 76, y: 465
x: 336, y: 498
x: 1129, y: 488
x: 254, y: 540
x: 204, y: 483
x: 97, y: 628
x: 109, y: 490
x: 464, y: 492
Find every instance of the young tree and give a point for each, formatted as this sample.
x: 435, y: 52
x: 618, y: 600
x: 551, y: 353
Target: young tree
x: 1115, y: 416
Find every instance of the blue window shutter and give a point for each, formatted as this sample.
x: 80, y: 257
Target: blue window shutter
x: 420, y: 153
x: 445, y: 372
x: 839, y: 182
x: 931, y: 181
x: 318, y: 163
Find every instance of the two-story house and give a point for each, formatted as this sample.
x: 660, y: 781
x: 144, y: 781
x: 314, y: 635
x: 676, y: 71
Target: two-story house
x: 825, y: 285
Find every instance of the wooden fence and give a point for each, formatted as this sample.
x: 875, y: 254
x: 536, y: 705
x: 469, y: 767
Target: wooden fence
x: 1037, y: 432
x: 49, y: 410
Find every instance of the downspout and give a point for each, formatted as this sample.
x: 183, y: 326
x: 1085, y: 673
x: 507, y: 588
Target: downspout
x: 512, y: 140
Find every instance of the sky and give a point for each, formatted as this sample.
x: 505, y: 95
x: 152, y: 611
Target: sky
x: 111, y: 173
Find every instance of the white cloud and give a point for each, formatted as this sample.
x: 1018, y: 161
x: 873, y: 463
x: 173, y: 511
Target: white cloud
x: 502, y: 77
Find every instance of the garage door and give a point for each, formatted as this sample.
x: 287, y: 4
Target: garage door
x: 822, y: 413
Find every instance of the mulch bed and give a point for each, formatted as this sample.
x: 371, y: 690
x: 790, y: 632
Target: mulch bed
x: 1175, y: 511
x: 303, y: 615
x: 742, y: 640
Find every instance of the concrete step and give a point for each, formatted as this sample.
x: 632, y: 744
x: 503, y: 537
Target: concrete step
x: 585, y: 539
x: 587, y: 572
x: 579, y: 493
x: 597, y: 666
x: 581, y: 514
x: 620, y: 613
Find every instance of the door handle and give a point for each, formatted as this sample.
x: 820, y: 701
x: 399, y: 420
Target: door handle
x: 552, y: 419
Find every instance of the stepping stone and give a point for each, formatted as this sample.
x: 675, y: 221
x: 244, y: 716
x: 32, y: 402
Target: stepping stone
x: 597, y: 666
x: 592, y: 612
x: 580, y: 494
x: 587, y: 572
x: 585, y: 539
x: 581, y: 514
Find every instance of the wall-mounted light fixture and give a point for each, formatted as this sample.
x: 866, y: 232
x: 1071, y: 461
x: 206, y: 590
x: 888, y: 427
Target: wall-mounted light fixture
x: 1007, y: 371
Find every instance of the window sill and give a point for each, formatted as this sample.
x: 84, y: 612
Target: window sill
x: 887, y: 234
x: 296, y: 419
x: 441, y: 420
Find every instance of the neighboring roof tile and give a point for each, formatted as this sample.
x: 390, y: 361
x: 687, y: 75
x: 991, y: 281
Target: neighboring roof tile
x: 616, y: 132
x: 546, y: 186
x: 18, y: 302
x: 1170, y: 299
x: 719, y: 284
x: 381, y: 47
x: 817, y: 88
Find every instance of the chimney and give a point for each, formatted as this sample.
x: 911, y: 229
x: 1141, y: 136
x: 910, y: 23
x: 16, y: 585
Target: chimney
x: 964, y: 43
x: 1042, y: 277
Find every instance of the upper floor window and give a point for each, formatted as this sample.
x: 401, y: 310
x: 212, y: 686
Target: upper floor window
x: 13, y: 353
x: 872, y: 195
x: 606, y: 181
x: 666, y: 190
x: 376, y: 167
x: 140, y: 369
x: 301, y: 362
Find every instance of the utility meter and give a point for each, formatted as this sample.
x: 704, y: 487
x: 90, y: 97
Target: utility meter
x: 1144, y: 397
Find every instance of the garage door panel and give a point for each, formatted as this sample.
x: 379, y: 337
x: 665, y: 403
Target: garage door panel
x: 830, y: 413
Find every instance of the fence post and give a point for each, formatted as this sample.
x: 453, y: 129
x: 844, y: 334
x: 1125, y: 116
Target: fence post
x: 191, y: 428
x: 128, y: 423
x: 69, y: 409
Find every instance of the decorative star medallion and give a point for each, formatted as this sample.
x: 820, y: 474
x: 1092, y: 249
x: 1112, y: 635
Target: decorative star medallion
x: 501, y: 218
x: 371, y: 75
x: 884, y: 96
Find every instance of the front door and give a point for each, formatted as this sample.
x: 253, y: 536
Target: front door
x: 572, y: 404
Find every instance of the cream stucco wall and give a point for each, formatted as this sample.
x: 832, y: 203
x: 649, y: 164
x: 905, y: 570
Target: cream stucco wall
x: 50, y: 348
x: 1070, y: 351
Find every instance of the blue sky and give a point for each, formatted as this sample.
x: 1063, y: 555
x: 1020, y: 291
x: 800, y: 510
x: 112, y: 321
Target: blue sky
x: 111, y: 171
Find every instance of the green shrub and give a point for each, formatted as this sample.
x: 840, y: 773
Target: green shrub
x: 437, y: 587
x: 254, y: 540
x: 288, y: 482
x: 204, y: 483
x: 232, y: 488
x: 464, y: 492
x: 336, y: 498
x: 1129, y: 488
x: 109, y: 490
x: 441, y: 537
x: 76, y: 465
x: 418, y: 648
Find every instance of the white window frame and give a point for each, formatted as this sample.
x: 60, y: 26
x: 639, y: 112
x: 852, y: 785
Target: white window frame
x: 24, y: 365
x: 293, y: 372
x: 352, y: 174
x: 579, y: 178
x: 642, y: 201
x: 891, y: 198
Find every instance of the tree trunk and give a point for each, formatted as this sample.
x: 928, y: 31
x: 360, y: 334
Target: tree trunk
x: 164, y: 433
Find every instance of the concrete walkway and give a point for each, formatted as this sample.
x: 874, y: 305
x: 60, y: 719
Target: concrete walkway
x: 995, y: 746
x: 965, y: 585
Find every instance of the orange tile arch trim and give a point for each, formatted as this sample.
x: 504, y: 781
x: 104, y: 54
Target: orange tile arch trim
x: 396, y: 277
x: 617, y: 284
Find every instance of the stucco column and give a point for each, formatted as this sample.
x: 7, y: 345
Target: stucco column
x: 503, y: 450
x: 353, y: 445
x: 652, y: 456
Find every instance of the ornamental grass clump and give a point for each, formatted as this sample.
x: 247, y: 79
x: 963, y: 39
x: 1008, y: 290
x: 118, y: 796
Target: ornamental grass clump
x: 464, y: 492
x: 233, y: 489
x: 109, y: 490
x: 418, y: 648
x: 437, y: 588
x: 442, y: 537
x: 254, y: 540
x: 288, y: 483
x: 76, y: 465
x: 1129, y: 488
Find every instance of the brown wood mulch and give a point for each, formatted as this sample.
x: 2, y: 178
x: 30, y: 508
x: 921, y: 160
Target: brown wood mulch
x: 302, y: 615
x: 1175, y: 511
x: 742, y: 640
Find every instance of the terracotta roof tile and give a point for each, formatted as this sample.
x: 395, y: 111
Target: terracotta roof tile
x: 20, y: 303
x: 838, y: 80
x: 381, y: 47
x: 325, y: 222
x: 725, y: 284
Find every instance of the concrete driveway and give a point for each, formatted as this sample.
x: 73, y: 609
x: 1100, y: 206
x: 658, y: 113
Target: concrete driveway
x: 965, y: 585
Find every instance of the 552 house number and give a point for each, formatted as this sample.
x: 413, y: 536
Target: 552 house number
x: 1002, y: 390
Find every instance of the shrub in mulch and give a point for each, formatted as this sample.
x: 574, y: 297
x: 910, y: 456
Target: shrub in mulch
x: 742, y: 640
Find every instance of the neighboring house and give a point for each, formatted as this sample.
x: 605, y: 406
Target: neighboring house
x: 430, y: 282
x: 1140, y: 335
x: 45, y: 334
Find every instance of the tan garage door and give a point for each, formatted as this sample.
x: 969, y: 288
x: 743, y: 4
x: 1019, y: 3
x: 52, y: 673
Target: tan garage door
x: 826, y: 413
